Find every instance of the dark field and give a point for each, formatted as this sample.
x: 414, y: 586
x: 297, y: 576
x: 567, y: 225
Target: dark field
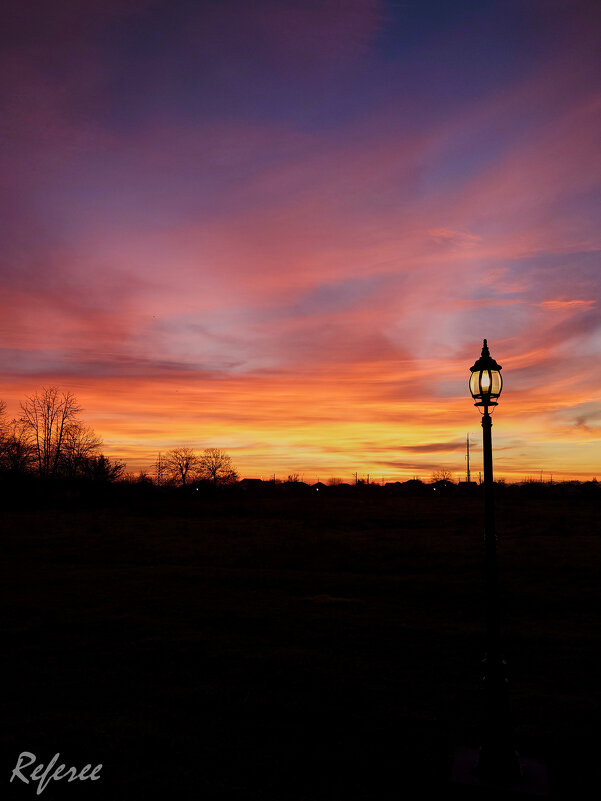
x: 315, y: 648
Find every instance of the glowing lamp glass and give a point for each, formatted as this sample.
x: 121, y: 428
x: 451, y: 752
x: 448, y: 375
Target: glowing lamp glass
x: 485, y: 379
x: 486, y: 385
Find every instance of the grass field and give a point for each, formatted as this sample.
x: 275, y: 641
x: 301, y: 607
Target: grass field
x: 282, y: 648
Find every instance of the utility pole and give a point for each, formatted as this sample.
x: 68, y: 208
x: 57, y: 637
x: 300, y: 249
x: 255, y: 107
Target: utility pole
x: 468, y: 458
x: 159, y: 470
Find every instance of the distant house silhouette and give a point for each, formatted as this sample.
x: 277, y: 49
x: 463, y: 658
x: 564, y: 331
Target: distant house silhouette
x: 247, y: 484
x: 342, y: 489
x: 295, y: 487
x: 410, y: 488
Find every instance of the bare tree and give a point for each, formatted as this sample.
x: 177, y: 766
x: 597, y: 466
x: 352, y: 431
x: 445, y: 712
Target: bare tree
x: 47, y: 416
x: 80, y: 446
x: 142, y: 478
x: 216, y: 465
x: 159, y: 468
x: 442, y: 475
x: 3, y: 426
x: 16, y: 447
x: 179, y: 463
x: 100, y: 468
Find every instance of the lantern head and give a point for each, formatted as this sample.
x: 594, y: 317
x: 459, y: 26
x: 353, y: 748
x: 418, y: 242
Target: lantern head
x: 485, y: 381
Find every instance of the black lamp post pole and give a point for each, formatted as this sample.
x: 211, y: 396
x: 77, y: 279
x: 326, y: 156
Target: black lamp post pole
x: 493, y: 629
x: 498, y: 760
x: 497, y: 763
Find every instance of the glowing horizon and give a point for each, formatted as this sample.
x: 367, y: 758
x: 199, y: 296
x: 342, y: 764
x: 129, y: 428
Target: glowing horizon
x: 285, y: 230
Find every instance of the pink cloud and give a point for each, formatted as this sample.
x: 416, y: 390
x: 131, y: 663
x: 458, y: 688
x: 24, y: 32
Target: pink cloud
x: 568, y: 305
x: 202, y: 276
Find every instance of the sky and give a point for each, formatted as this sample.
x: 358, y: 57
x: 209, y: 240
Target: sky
x: 283, y: 228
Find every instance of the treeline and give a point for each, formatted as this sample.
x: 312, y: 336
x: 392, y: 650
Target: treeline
x: 184, y: 465
x: 49, y: 439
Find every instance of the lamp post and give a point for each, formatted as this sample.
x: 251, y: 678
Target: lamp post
x: 498, y: 761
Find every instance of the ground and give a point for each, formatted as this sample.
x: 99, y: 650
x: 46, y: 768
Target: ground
x: 291, y: 648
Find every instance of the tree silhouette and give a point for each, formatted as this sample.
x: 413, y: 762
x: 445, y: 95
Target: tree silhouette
x: 80, y: 446
x: 100, y: 468
x: 16, y: 447
x: 16, y: 451
x: 179, y: 463
x: 50, y: 439
x: 3, y: 431
x: 217, y: 466
x: 48, y: 416
x: 442, y: 475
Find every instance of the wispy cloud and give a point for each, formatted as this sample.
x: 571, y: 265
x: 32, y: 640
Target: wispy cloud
x: 294, y: 223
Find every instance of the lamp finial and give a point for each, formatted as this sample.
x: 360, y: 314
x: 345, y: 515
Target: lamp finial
x: 485, y: 362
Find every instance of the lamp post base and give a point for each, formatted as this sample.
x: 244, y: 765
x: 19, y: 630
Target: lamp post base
x: 533, y: 778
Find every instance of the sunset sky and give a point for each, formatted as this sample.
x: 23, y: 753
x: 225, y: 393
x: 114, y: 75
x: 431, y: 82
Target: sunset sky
x: 283, y: 228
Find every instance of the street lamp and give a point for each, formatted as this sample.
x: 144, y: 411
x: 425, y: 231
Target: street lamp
x: 498, y: 761
x: 486, y: 382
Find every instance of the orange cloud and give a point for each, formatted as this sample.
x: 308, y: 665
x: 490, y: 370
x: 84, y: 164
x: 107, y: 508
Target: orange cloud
x: 568, y: 305
x: 306, y: 290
